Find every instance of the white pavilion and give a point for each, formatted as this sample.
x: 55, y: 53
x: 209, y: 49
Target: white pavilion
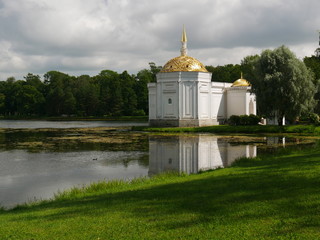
x: 184, y: 95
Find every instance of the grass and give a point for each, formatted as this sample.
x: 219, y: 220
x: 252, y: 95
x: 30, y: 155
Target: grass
x: 262, y: 198
x: 301, y: 129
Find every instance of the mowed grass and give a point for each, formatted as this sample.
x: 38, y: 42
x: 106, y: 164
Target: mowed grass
x: 262, y: 198
x: 301, y: 129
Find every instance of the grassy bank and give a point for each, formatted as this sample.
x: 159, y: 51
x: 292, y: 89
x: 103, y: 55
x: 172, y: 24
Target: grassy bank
x: 261, y: 198
x: 301, y: 129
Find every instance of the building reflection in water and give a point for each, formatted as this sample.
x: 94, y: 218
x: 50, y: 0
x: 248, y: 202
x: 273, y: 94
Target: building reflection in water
x: 275, y: 141
x: 190, y: 154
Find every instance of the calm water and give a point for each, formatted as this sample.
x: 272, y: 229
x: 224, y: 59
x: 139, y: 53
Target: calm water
x: 26, y: 176
x: 29, y: 173
x: 65, y: 124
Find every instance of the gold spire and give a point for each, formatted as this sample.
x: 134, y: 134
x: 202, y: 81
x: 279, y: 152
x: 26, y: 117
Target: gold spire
x: 183, y: 63
x: 184, y: 35
x: 184, y: 49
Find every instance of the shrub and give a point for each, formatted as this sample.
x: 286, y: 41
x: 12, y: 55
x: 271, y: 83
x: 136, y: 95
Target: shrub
x: 234, y: 120
x: 314, y: 118
x: 254, y: 119
x: 244, y: 120
x: 139, y: 112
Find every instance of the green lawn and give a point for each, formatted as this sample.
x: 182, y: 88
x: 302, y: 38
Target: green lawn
x: 301, y: 129
x: 261, y: 198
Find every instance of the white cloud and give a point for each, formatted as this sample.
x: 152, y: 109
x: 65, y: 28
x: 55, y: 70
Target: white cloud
x: 85, y: 37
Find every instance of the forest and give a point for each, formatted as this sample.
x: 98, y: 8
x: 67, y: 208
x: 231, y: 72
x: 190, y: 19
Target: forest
x: 107, y: 94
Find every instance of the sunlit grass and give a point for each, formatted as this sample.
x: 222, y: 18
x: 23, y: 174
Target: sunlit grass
x: 261, y: 198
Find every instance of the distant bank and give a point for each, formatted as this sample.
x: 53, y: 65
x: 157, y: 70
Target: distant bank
x: 71, y: 118
x: 256, y: 129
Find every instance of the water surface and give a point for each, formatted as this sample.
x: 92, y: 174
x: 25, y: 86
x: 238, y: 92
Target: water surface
x: 26, y: 176
x: 36, y: 164
x: 65, y: 124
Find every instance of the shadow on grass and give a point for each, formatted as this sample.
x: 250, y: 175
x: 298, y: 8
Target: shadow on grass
x: 282, y: 192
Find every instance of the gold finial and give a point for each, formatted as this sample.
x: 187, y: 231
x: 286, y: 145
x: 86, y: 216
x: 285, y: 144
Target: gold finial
x: 184, y: 49
x: 241, y: 75
x: 184, y: 35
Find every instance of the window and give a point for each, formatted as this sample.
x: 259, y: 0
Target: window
x: 169, y: 101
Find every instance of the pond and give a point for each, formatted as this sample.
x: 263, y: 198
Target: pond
x: 64, y: 124
x: 37, y: 163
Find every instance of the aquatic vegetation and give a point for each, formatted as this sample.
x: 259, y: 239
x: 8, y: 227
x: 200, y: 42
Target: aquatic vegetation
x: 75, y: 138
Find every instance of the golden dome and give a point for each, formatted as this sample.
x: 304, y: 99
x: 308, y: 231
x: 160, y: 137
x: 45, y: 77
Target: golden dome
x: 183, y: 64
x: 241, y: 82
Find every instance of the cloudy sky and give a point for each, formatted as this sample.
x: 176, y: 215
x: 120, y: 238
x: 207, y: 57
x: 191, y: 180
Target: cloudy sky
x: 86, y: 36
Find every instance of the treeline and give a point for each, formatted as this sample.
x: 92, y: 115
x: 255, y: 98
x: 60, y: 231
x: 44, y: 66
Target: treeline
x: 107, y: 94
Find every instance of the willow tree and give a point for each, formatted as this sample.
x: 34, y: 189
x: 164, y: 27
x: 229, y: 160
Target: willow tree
x: 282, y: 83
x: 313, y: 63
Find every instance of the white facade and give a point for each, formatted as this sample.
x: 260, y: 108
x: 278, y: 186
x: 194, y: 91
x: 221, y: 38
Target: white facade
x: 190, y: 99
x: 185, y: 96
x: 240, y: 101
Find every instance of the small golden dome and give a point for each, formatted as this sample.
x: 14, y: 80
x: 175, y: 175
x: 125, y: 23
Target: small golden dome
x: 241, y: 82
x: 183, y: 64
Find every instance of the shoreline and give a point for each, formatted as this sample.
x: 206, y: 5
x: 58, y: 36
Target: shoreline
x: 247, y: 199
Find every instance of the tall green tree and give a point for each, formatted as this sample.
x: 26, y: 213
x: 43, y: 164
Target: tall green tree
x: 313, y: 63
x: 60, y: 97
x: 283, y: 84
x: 111, y: 92
x: 154, y: 69
x: 226, y: 73
x: 35, y: 81
x: 87, y: 96
x: 2, y: 97
x: 144, y: 77
x: 2, y: 103
x: 12, y: 89
x: 129, y: 96
x: 29, y: 100
x: 69, y: 102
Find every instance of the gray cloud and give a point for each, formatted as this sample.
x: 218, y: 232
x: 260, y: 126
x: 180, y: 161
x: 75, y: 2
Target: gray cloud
x: 85, y: 37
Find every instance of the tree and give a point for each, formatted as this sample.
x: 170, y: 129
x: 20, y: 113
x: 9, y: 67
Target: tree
x: 2, y: 102
x: 69, y: 102
x: 141, y: 88
x: 154, y: 69
x: 12, y: 89
x: 60, y: 97
x: 282, y: 83
x: 55, y: 100
x: 29, y: 100
x: 87, y: 96
x: 226, y: 73
x: 313, y: 63
x: 129, y: 96
x: 34, y: 80
x: 111, y: 92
